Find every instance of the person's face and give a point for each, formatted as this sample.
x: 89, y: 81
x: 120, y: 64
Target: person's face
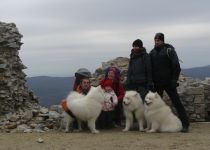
x: 108, y: 89
x: 135, y: 47
x: 158, y: 43
x: 111, y: 75
x: 85, y: 84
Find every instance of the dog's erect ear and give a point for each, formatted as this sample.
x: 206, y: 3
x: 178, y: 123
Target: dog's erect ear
x: 136, y: 94
x: 92, y: 87
x: 150, y: 92
x: 99, y: 86
x: 156, y: 95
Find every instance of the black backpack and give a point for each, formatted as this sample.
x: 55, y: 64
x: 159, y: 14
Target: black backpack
x: 168, y: 51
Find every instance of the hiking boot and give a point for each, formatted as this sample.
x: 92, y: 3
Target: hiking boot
x: 185, y: 130
x: 116, y: 125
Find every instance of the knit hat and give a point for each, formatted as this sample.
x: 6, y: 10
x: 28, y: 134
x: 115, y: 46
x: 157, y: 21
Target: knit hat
x: 138, y: 43
x: 114, y: 69
x: 81, y: 74
x: 106, y: 82
x: 159, y: 36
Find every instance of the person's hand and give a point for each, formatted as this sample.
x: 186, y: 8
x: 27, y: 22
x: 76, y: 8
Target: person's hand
x: 150, y: 87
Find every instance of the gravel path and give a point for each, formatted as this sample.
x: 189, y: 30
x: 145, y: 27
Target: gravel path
x: 197, y: 139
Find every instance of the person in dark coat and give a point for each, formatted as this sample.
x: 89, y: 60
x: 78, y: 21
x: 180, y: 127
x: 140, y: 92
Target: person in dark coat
x: 165, y: 71
x: 139, y: 77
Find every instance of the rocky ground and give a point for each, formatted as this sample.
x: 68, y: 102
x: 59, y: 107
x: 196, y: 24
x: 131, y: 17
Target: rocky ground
x: 197, y: 139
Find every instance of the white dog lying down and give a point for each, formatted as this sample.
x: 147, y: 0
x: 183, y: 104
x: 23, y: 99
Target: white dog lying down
x: 159, y: 116
x: 85, y: 108
x: 132, y: 103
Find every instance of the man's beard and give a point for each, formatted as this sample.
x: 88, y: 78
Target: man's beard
x: 159, y: 46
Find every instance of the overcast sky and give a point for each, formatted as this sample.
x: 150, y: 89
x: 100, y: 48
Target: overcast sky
x: 61, y: 36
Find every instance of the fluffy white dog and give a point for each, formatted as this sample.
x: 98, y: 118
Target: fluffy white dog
x: 159, y: 116
x: 85, y: 108
x: 133, y: 104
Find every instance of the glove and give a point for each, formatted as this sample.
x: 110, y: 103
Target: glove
x: 150, y: 87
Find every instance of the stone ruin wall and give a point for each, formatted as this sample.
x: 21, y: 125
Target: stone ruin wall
x: 195, y: 96
x: 14, y: 94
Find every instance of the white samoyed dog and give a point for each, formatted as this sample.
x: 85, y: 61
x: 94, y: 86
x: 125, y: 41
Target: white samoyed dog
x: 133, y: 104
x: 85, y: 108
x: 159, y: 116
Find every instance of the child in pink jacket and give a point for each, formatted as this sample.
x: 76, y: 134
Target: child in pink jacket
x: 105, y: 120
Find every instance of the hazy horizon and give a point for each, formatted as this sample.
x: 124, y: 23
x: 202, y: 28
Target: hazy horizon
x: 94, y: 71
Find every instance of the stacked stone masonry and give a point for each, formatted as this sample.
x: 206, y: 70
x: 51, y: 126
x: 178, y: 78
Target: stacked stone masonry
x: 14, y: 94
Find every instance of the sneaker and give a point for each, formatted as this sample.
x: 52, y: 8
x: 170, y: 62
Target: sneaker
x: 185, y: 130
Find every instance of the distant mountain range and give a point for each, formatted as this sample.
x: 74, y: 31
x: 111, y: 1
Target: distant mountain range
x: 51, y: 90
x: 197, y: 72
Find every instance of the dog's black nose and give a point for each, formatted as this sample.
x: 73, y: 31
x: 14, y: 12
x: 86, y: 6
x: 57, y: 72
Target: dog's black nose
x: 147, y: 103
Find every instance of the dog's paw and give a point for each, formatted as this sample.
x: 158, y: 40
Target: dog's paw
x: 142, y: 130
x: 77, y: 130
x: 146, y: 129
x: 68, y: 130
x: 151, y: 131
x: 125, y: 130
x: 95, y: 131
x: 80, y: 130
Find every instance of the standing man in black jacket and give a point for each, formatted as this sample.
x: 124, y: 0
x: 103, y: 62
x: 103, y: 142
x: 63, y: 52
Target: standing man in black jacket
x: 139, y: 77
x: 165, y: 71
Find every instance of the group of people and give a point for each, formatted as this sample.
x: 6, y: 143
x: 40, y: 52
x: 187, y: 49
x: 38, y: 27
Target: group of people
x: 157, y: 71
x: 112, y: 111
